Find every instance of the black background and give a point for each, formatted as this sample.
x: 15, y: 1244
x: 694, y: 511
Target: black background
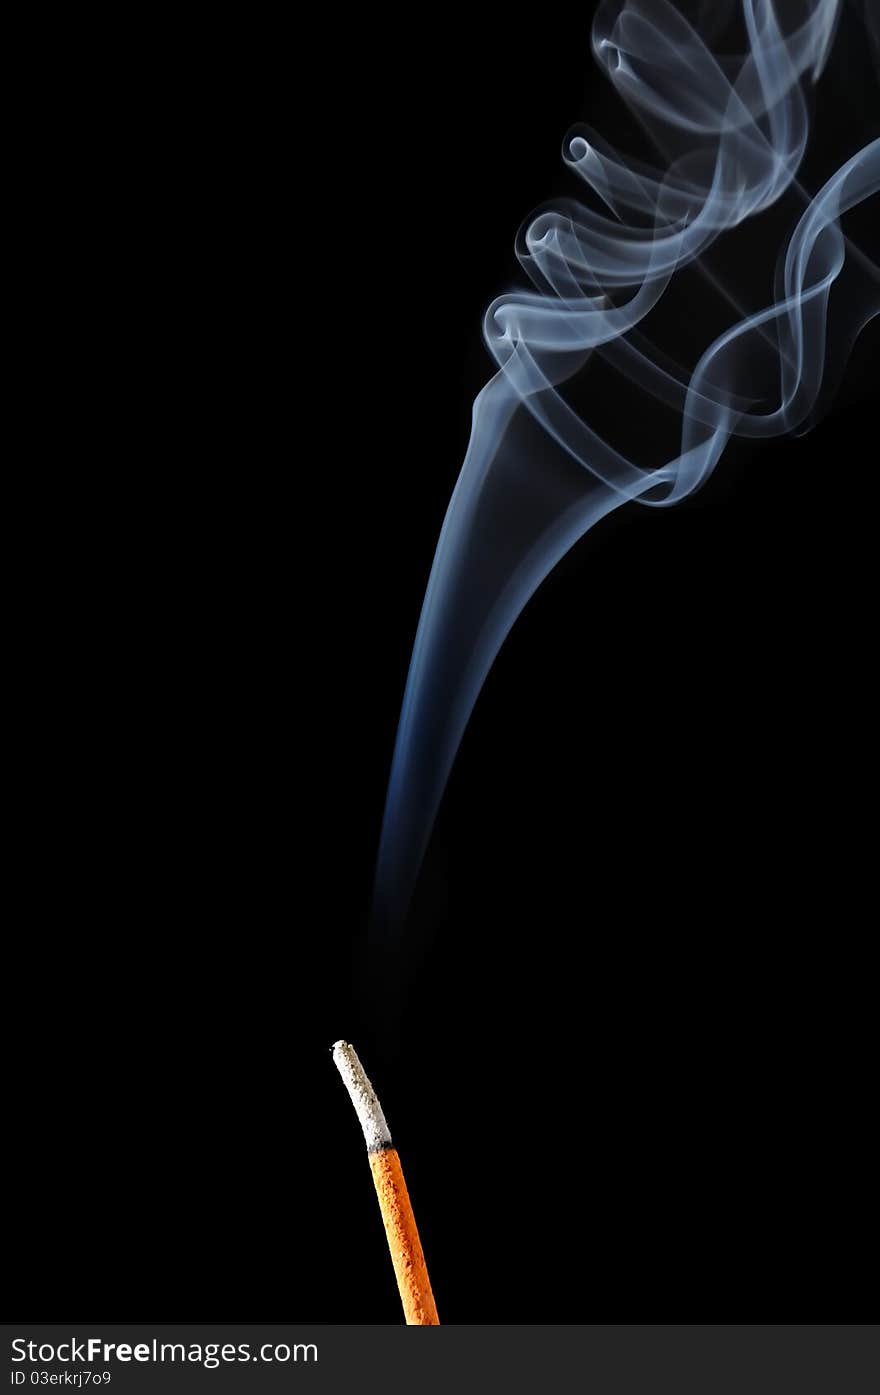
x: 623, y: 1040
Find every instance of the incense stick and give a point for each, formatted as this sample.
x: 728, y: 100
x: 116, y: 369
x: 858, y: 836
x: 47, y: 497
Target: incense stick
x: 419, y: 1308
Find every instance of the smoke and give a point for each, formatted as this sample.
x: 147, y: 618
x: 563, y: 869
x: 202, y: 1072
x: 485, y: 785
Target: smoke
x: 732, y: 132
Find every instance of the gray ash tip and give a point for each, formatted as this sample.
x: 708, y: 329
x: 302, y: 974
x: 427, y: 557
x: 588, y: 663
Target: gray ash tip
x: 377, y: 1135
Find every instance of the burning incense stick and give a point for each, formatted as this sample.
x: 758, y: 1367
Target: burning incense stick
x: 419, y: 1308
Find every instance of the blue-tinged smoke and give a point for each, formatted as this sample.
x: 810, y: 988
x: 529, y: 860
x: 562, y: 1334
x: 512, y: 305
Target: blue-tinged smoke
x: 536, y: 476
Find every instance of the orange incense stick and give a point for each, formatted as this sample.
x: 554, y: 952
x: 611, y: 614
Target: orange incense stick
x: 419, y: 1308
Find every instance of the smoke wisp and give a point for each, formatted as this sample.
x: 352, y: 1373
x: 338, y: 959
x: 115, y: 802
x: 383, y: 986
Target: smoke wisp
x: 731, y: 132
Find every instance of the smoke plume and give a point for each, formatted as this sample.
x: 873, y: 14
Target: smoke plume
x: 731, y: 132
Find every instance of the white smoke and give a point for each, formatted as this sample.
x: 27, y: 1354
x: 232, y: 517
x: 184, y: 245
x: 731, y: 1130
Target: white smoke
x: 733, y: 132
